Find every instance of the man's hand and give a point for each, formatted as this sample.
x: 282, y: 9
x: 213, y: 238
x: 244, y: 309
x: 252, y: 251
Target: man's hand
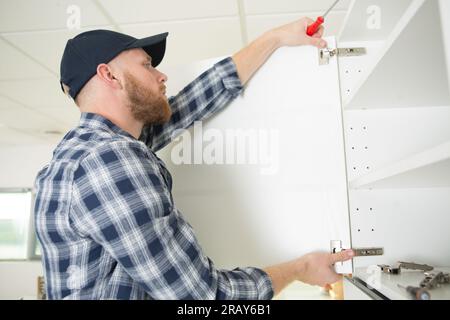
x: 314, y: 269
x: 294, y: 34
x: 250, y: 58
x: 317, y: 268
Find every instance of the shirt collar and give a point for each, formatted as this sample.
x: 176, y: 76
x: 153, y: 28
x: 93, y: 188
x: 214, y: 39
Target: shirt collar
x: 96, y: 121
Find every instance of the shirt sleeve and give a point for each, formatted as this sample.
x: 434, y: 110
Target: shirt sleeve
x: 120, y: 202
x: 207, y: 94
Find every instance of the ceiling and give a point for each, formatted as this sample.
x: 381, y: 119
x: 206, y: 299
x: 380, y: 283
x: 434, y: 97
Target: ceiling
x: 33, y: 33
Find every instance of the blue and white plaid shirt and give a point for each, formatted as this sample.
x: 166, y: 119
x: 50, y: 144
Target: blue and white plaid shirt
x: 106, y: 220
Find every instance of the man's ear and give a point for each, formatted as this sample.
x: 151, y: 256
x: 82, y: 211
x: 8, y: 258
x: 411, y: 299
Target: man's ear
x: 105, y: 73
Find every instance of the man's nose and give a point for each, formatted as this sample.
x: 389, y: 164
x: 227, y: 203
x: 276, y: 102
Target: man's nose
x: 163, y: 77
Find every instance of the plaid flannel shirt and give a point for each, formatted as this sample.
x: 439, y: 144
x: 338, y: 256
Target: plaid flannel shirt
x: 106, y: 220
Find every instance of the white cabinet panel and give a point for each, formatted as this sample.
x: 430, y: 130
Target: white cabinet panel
x: 370, y: 20
x: 271, y: 211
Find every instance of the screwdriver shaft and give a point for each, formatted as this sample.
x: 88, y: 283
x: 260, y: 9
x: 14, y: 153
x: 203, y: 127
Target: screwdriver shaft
x: 331, y: 8
x: 313, y: 28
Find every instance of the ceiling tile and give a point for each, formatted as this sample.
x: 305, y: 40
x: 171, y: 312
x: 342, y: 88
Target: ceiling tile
x: 253, y: 7
x: 257, y: 25
x: 15, y: 65
x: 67, y: 116
x: 150, y: 11
x: 36, y: 93
x: 26, y: 15
x: 7, y: 103
x: 11, y: 137
x: 28, y: 119
x: 213, y: 37
x: 55, y: 41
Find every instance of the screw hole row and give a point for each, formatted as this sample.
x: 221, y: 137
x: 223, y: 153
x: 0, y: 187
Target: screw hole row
x: 371, y: 209
x: 365, y: 148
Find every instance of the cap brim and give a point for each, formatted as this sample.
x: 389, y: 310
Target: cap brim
x: 155, y: 46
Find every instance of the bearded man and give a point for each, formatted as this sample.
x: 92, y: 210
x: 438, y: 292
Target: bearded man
x: 104, y: 213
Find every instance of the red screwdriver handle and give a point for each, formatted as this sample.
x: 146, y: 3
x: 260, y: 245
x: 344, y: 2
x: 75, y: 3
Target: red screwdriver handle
x: 312, y: 29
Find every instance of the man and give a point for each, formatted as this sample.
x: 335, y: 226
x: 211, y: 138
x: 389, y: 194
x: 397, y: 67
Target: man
x: 104, y: 212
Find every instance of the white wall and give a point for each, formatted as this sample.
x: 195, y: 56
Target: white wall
x: 18, y: 169
x: 20, y: 164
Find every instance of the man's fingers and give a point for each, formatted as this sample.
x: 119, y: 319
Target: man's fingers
x: 342, y: 256
x: 319, y: 32
x: 318, y: 42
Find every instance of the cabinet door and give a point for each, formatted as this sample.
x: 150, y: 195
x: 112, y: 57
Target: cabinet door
x: 277, y: 189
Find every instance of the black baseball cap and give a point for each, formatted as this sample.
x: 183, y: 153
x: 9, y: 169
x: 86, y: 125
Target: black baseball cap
x: 87, y: 50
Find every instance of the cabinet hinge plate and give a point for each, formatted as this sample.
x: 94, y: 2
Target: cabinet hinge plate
x: 325, y: 54
x: 336, y: 246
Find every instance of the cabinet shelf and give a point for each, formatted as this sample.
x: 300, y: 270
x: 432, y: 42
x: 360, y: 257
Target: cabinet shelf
x: 387, y: 284
x: 367, y: 20
x: 390, y: 79
x: 430, y: 168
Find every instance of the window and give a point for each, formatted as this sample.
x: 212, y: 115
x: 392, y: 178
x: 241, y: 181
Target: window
x: 15, y: 230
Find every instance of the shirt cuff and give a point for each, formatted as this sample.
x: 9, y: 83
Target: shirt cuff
x: 262, y: 281
x: 226, y: 69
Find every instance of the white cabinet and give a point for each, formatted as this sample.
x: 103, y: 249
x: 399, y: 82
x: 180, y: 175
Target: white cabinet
x: 396, y: 122
x: 356, y: 150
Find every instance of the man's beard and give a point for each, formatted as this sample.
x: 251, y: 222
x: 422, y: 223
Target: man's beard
x: 146, y: 106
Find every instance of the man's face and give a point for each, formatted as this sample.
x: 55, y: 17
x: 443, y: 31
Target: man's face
x: 145, y: 89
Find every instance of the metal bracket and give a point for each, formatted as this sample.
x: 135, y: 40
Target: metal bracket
x: 368, y: 252
x: 336, y: 246
x: 388, y: 269
x: 326, y: 54
x: 415, y: 266
x: 404, y: 265
x: 435, y: 280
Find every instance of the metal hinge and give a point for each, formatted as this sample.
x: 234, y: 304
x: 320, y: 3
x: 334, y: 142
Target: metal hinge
x: 336, y: 246
x: 326, y: 54
x: 404, y: 265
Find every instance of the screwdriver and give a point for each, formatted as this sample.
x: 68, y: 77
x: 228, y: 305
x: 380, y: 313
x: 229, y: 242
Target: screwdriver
x: 312, y: 29
x: 417, y: 293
